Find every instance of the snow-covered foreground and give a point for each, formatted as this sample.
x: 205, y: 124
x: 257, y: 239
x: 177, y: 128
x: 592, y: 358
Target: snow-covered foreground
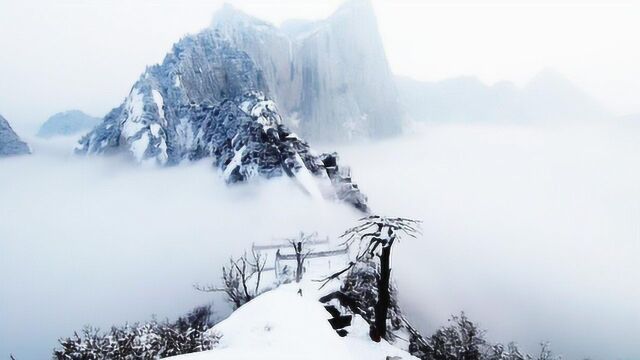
x: 281, y: 324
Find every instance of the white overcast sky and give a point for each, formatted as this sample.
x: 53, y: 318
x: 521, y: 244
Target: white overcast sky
x: 57, y: 55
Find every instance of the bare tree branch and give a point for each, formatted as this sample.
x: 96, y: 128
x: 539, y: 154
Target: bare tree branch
x: 236, y: 277
x: 336, y: 275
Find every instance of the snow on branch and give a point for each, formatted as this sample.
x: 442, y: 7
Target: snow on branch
x: 371, y: 234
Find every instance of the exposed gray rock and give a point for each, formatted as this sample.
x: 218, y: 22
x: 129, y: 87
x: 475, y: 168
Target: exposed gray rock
x: 68, y: 123
x: 330, y: 78
x: 206, y: 101
x: 10, y: 143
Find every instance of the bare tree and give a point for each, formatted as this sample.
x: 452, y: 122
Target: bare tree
x: 257, y: 264
x: 298, y: 244
x: 545, y: 352
x: 375, y: 236
x: 236, y: 278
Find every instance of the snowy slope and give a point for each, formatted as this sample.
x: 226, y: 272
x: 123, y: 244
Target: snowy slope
x: 281, y: 324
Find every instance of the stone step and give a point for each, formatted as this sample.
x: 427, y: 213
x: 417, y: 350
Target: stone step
x: 340, y: 322
x: 332, y: 310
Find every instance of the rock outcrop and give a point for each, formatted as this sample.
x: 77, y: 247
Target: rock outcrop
x: 10, y: 143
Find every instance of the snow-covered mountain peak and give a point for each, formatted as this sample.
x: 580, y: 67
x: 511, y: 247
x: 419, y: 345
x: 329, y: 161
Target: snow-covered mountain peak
x: 215, y: 95
x: 243, y: 135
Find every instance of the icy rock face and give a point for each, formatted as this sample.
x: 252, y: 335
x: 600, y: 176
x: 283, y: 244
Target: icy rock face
x: 68, y: 123
x: 10, y: 143
x: 206, y: 101
x: 330, y: 78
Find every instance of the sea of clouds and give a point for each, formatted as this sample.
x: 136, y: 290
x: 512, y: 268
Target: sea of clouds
x: 533, y: 231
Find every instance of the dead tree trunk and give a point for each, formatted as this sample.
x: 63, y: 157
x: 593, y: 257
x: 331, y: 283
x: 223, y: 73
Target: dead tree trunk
x: 384, y: 297
x: 297, y: 245
x: 299, y: 261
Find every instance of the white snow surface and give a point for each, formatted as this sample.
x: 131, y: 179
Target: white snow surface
x: 135, y: 107
x: 260, y: 111
x: 281, y: 324
x: 162, y: 157
x: 234, y: 163
x: 157, y: 98
x: 155, y: 129
x: 139, y: 147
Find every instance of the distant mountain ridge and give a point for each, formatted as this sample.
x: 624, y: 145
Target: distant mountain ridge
x: 67, y: 123
x: 548, y: 97
x: 10, y: 143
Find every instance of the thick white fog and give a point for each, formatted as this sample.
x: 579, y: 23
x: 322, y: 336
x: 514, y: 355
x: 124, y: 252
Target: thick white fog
x: 534, y: 232
x: 99, y: 241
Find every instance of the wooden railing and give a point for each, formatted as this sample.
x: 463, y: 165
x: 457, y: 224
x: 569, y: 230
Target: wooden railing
x: 283, y: 245
x: 311, y: 255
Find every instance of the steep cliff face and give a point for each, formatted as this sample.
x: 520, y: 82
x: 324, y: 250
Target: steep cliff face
x: 206, y: 100
x: 10, y: 143
x: 330, y: 78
